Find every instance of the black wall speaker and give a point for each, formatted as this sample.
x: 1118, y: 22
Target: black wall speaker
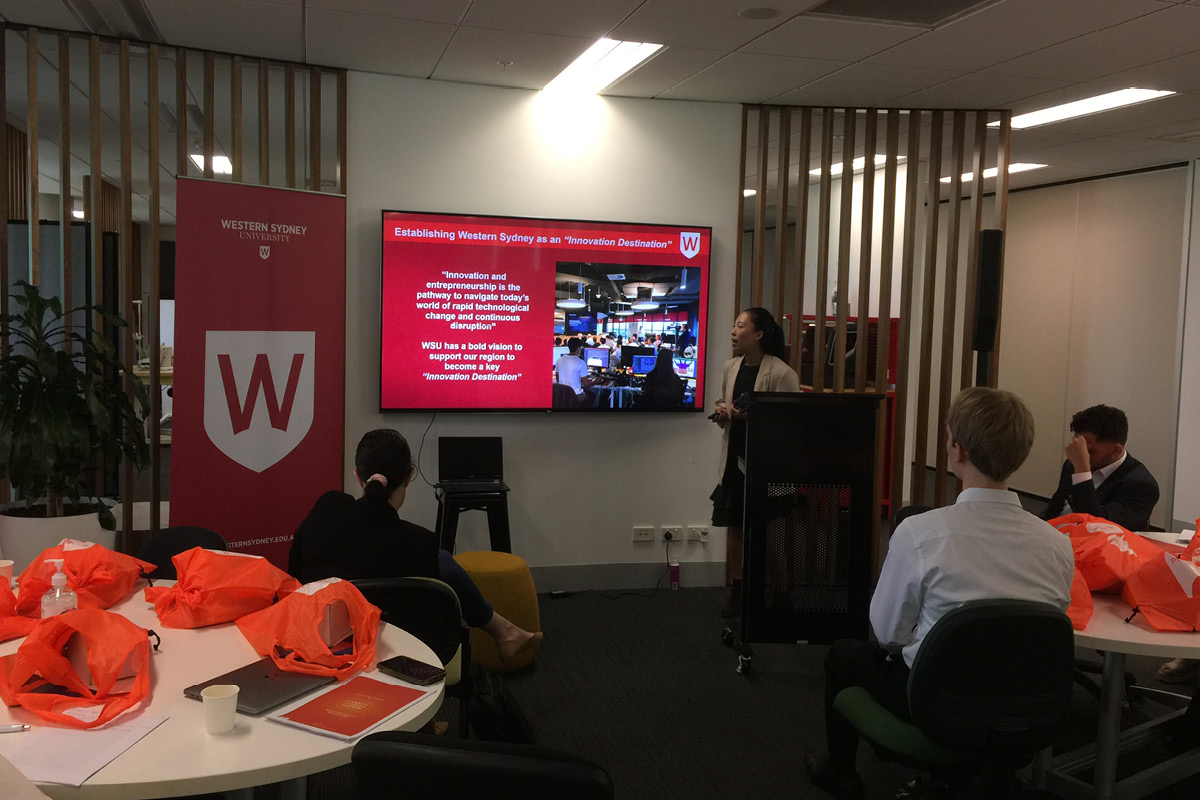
x: 987, y: 290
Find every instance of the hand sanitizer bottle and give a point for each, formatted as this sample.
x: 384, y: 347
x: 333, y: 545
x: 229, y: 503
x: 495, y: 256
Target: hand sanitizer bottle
x: 60, y: 597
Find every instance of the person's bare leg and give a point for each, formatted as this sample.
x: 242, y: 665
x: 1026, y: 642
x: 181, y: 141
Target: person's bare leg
x: 510, y: 639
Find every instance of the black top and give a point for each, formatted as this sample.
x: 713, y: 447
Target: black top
x: 346, y: 538
x: 742, y: 383
x: 1126, y: 497
x: 662, y: 389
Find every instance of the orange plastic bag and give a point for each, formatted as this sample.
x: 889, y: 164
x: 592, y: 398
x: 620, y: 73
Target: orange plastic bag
x: 12, y: 625
x: 1081, y: 609
x: 1105, y: 553
x: 216, y: 586
x: 114, y: 644
x: 1166, y: 591
x: 291, y: 631
x: 101, y: 577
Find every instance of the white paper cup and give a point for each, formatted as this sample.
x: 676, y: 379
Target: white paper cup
x: 6, y: 571
x: 220, y: 707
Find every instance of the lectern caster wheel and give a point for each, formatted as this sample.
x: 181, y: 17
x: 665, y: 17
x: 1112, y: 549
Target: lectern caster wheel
x: 727, y: 637
x: 743, y: 667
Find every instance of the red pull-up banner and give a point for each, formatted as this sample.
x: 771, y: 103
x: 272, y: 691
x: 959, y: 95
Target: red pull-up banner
x: 260, y: 288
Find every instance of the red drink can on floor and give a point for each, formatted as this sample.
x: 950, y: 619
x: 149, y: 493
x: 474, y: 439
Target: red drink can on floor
x: 674, y: 570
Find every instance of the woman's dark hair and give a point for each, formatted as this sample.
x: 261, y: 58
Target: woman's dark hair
x: 385, y: 452
x: 663, y: 363
x: 772, y: 340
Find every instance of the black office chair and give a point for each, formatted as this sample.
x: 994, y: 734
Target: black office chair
x: 170, y: 542
x: 990, y: 686
x: 416, y: 765
x: 429, y: 610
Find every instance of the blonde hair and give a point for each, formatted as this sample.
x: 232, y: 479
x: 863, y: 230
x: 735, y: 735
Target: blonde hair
x: 995, y: 428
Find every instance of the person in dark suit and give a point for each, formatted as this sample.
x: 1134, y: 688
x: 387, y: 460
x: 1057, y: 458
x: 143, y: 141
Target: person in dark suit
x: 1100, y: 477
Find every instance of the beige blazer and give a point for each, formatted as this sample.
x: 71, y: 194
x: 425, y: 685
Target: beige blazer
x: 774, y: 375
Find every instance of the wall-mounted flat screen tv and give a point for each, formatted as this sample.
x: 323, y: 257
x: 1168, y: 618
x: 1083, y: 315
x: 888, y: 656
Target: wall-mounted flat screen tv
x: 479, y: 313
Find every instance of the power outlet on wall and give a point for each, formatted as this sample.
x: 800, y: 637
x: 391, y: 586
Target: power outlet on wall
x: 672, y: 533
x: 643, y: 533
x: 697, y: 533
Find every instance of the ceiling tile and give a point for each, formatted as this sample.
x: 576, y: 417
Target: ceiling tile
x: 751, y: 78
x: 1005, y: 30
x: 1169, y: 32
x: 864, y: 85
x: 978, y: 90
x: 841, y: 40
x: 447, y: 11
x: 585, y: 18
x: 701, y: 24
x: 233, y: 26
x: 661, y: 73
x: 536, y: 57
x: 394, y: 46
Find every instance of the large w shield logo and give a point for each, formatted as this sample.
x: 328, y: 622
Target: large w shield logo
x: 258, y: 393
x: 689, y: 244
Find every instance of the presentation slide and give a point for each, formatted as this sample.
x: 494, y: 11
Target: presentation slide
x: 476, y: 310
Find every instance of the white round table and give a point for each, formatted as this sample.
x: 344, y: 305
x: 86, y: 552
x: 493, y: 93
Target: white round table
x: 179, y: 757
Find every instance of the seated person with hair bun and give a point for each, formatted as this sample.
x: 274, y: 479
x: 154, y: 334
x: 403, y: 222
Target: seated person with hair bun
x: 365, y: 538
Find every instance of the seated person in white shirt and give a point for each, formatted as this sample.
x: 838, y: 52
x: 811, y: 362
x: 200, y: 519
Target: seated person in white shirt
x: 1099, y: 477
x: 571, y: 369
x: 985, y: 546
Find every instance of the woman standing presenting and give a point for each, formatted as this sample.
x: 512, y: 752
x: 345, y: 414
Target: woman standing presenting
x: 757, y: 365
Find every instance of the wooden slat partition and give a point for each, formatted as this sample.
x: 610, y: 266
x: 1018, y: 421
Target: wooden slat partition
x: 127, y: 279
x: 903, y: 265
x: 289, y: 124
x: 112, y: 194
x: 35, y: 239
x: 866, y: 228
x: 314, y: 119
x: 803, y: 158
x: 210, y: 111
x: 181, y: 113
x: 823, y: 222
x: 1003, y: 159
x: 741, y: 198
x: 153, y: 331
x: 264, y: 123
x: 235, y: 114
x: 760, y: 204
x: 66, y: 210
x: 846, y: 195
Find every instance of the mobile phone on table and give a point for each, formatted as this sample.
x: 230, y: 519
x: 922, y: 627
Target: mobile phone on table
x: 411, y: 670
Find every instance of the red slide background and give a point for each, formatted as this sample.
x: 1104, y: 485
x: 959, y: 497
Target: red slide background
x: 418, y: 263
x: 225, y: 282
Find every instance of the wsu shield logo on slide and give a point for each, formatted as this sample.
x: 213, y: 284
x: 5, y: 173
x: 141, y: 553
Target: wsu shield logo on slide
x: 258, y: 393
x: 689, y: 244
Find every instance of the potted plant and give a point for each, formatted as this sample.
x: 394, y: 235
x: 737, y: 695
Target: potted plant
x: 63, y: 410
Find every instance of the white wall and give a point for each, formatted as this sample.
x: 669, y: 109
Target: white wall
x: 1187, y: 466
x: 579, y: 483
x: 1091, y: 314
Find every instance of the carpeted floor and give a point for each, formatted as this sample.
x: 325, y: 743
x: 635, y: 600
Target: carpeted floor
x: 644, y: 686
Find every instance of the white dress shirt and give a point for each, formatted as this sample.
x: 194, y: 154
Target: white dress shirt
x: 985, y: 546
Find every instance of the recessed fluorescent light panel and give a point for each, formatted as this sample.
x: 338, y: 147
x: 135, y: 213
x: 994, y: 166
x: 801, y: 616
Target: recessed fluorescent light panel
x: 221, y: 164
x: 991, y: 172
x: 858, y: 164
x: 1089, y: 105
x: 749, y: 192
x: 602, y: 65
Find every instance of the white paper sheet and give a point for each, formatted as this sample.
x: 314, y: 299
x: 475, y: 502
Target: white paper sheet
x: 51, y: 754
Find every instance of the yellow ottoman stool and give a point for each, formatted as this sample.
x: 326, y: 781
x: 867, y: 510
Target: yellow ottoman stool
x: 504, y: 580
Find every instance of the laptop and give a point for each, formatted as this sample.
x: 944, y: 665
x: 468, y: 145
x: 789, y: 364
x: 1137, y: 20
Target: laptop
x: 471, y: 464
x: 263, y: 686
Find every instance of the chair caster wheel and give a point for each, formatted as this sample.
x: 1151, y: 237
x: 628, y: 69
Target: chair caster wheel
x: 727, y: 637
x: 743, y: 667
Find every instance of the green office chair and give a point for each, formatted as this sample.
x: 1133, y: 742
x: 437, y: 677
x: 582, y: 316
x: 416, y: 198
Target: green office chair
x: 990, y: 686
x: 428, y: 609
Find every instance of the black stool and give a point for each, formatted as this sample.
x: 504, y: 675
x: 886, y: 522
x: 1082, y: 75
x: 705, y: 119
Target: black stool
x: 453, y: 500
